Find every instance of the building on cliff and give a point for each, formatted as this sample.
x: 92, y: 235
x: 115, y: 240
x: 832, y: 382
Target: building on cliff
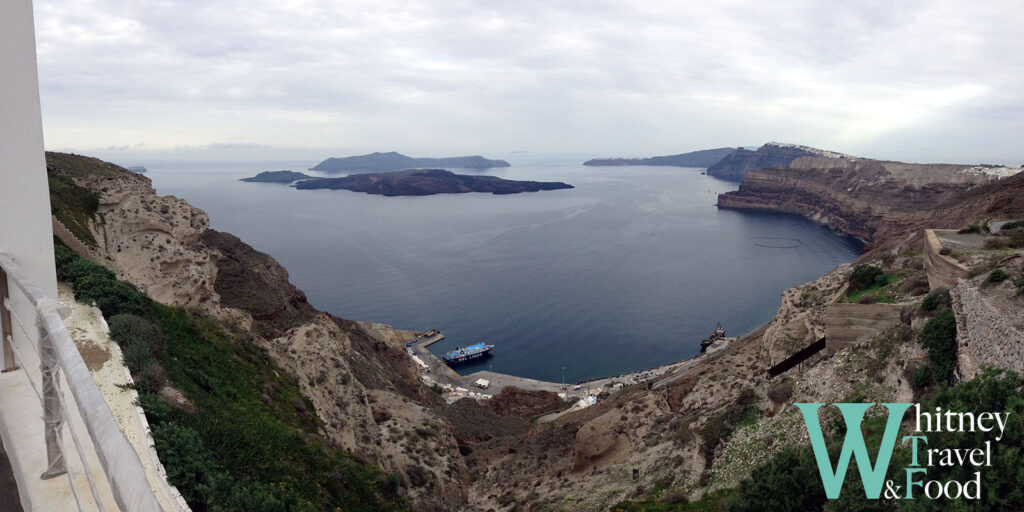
x: 61, y: 447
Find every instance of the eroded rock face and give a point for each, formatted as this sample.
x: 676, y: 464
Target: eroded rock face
x: 363, y: 386
x: 869, y: 199
x: 153, y: 241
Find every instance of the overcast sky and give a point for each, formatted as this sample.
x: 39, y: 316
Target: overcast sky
x: 911, y: 80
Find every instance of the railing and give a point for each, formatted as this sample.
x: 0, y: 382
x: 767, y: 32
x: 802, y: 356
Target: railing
x: 119, y: 461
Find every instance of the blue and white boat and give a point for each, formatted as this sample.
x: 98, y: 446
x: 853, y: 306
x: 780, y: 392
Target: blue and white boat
x: 463, y: 354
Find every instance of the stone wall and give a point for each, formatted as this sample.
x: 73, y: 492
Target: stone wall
x: 943, y: 271
x: 847, y: 323
x: 985, y: 334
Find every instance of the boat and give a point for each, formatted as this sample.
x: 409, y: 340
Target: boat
x: 463, y: 354
x: 715, y: 336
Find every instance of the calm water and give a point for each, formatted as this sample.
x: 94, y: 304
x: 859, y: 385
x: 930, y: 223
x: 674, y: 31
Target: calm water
x: 629, y: 270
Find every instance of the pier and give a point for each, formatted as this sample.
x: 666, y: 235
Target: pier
x: 434, y: 370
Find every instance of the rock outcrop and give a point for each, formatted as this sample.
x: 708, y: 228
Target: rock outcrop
x: 425, y: 182
x: 870, y: 199
x: 702, y: 158
x: 151, y: 241
x: 376, y: 162
x: 736, y: 165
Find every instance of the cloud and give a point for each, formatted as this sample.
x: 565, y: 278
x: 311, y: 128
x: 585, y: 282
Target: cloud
x: 475, y: 77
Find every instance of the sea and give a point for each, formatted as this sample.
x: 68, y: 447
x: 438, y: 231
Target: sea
x: 629, y: 270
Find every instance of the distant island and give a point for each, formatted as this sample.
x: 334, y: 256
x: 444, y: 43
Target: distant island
x: 424, y: 182
x: 137, y: 169
x: 381, y: 162
x: 702, y: 158
x: 277, y: 177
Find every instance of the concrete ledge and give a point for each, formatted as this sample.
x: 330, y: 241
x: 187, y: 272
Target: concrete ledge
x: 21, y: 426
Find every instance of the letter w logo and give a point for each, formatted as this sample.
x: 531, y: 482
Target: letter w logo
x: 873, y: 475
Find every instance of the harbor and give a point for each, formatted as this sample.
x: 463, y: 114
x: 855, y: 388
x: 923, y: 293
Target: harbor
x: 484, y: 384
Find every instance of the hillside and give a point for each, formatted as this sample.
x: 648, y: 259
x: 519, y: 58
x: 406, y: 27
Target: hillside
x: 870, y: 199
x: 702, y: 158
x: 379, y: 162
x: 360, y: 393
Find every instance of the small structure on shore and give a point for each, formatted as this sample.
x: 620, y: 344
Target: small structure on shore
x: 715, y: 336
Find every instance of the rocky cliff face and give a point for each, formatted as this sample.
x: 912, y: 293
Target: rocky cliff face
x: 736, y: 165
x: 363, y: 386
x: 870, y: 199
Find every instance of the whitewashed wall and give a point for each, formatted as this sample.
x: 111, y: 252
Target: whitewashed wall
x: 25, y: 230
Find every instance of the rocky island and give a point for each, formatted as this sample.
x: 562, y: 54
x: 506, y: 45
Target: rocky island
x: 277, y: 177
x: 702, y: 158
x: 380, y: 162
x: 425, y: 182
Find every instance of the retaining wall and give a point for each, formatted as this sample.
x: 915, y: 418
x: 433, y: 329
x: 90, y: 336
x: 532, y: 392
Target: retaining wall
x: 847, y: 323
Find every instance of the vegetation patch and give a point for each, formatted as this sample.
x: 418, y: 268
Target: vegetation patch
x: 74, y: 206
x: 250, y: 443
x: 1012, y: 225
x: 997, y: 276
x: 939, y: 338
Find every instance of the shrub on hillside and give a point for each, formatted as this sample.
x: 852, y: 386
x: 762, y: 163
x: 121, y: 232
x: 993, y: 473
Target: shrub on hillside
x: 997, y: 242
x: 945, y: 251
x: 1017, y: 239
x: 972, y: 228
x: 788, y: 481
x: 997, y: 276
x: 864, y: 276
x: 939, y: 338
x: 1012, y: 225
x: 933, y: 300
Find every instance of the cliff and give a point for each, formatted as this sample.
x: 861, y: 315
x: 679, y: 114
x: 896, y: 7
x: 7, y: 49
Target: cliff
x: 736, y: 165
x: 396, y: 162
x: 702, y: 158
x: 423, y: 182
x: 367, y: 397
x: 870, y: 199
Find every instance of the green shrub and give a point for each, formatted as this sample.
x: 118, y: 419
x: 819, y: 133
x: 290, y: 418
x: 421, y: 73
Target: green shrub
x: 922, y: 377
x: 866, y: 275
x: 1012, y: 225
x: 1019, y: 283
x: 997, y: 276
x: 939, y: 337
x: 82, y: 270
x: 112, y: 297
x: 933, y: 300
x: 137, y: 355
x: 973, y: 228
x: 189, y: 466
x: 788, y: 481
x: 127, y: 328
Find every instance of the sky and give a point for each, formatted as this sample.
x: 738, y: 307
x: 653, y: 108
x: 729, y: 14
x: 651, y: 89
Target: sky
x: 922, y: 81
